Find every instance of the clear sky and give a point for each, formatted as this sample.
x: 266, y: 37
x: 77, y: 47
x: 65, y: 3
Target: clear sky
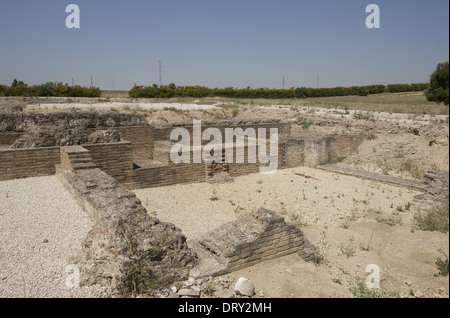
x: 215, y: 43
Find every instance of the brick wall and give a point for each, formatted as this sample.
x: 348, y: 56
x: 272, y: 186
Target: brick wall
x: 294, y: 153
x: 116, y: 159
x: 254, y: 238
x: 141, y: 137
x: 7, y: 139
x: 347, y: 144
x: 27, y: 163
x: 161, y: 175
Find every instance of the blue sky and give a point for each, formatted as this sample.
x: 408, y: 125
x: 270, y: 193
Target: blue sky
x: 223, y: 43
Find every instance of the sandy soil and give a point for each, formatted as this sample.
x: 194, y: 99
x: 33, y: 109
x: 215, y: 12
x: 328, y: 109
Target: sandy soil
x: 341, y: 215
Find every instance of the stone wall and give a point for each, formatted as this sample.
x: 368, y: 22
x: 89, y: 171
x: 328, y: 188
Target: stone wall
x: 162, y: 132
x: 18, y: 123
x: 27, y: 163
x: 437, y: 189
x: 254, y: 238
x: 126, y: 249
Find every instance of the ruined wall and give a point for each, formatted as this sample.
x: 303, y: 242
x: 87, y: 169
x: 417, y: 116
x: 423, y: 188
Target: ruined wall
x: 7, y: 139
x: 126, y: 249
x: 310, y: 151
x: 348, y: 144
x: 19, y: 123
x: 254, y: 238
x: 161, y: 175
x: 162, y: 132
x: 116, y: 159
x: 27, y: 163
x: 141, y: 138
x: 436, y: 190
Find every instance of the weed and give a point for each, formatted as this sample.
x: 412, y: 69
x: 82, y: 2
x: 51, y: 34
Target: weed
x: 306, y: 126
x: 391, y: 220
x: 214, y: 196
x: 443, y: 265
x: 436, y: 219
x: 360, y: 290
x: 367, y: 248
x: 208, y: 290
x: 348, y: 250
x: 297, y: 220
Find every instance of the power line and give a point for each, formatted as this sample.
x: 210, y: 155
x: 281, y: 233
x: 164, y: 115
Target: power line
x: 160, y: 74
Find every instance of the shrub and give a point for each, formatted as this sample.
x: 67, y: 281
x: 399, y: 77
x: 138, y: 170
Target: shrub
x: 301, y: 92
x: 3, y: 90
x: 438, y: 90
x: 443, y: 265
x: 436, y: 219
x: 47, y: 89
x: 362, y: 91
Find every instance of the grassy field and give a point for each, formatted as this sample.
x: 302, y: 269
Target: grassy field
x: 410, y: 103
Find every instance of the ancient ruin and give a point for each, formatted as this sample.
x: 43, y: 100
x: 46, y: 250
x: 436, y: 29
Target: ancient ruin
x: 101, y: 157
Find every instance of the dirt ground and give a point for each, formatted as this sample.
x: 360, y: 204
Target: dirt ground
x: 345, y: 217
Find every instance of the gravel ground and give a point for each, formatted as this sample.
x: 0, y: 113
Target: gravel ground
x: 41, y: 226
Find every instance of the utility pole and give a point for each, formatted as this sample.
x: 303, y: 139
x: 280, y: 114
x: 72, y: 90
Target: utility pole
x: 283, y: 81
x: 160, y: 74
x: 113, y: 84
x: 92, y: 81
x: 318, y: 81
x: 73, y: 82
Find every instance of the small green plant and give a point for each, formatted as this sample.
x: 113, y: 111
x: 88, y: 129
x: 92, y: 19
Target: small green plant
x: 260, y: 182
x: 347, y: 250
x: 359, y: 289
x: 214, y: 196
x: 436, y: 219
x: 113, y: 109
x: 391, y: 220
x: 443, y: 265
x: 208, y: 290
x: 307, y: 126
x: 297, y: 220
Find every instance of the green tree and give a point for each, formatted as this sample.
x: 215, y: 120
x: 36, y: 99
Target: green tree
x: 439, y: 83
